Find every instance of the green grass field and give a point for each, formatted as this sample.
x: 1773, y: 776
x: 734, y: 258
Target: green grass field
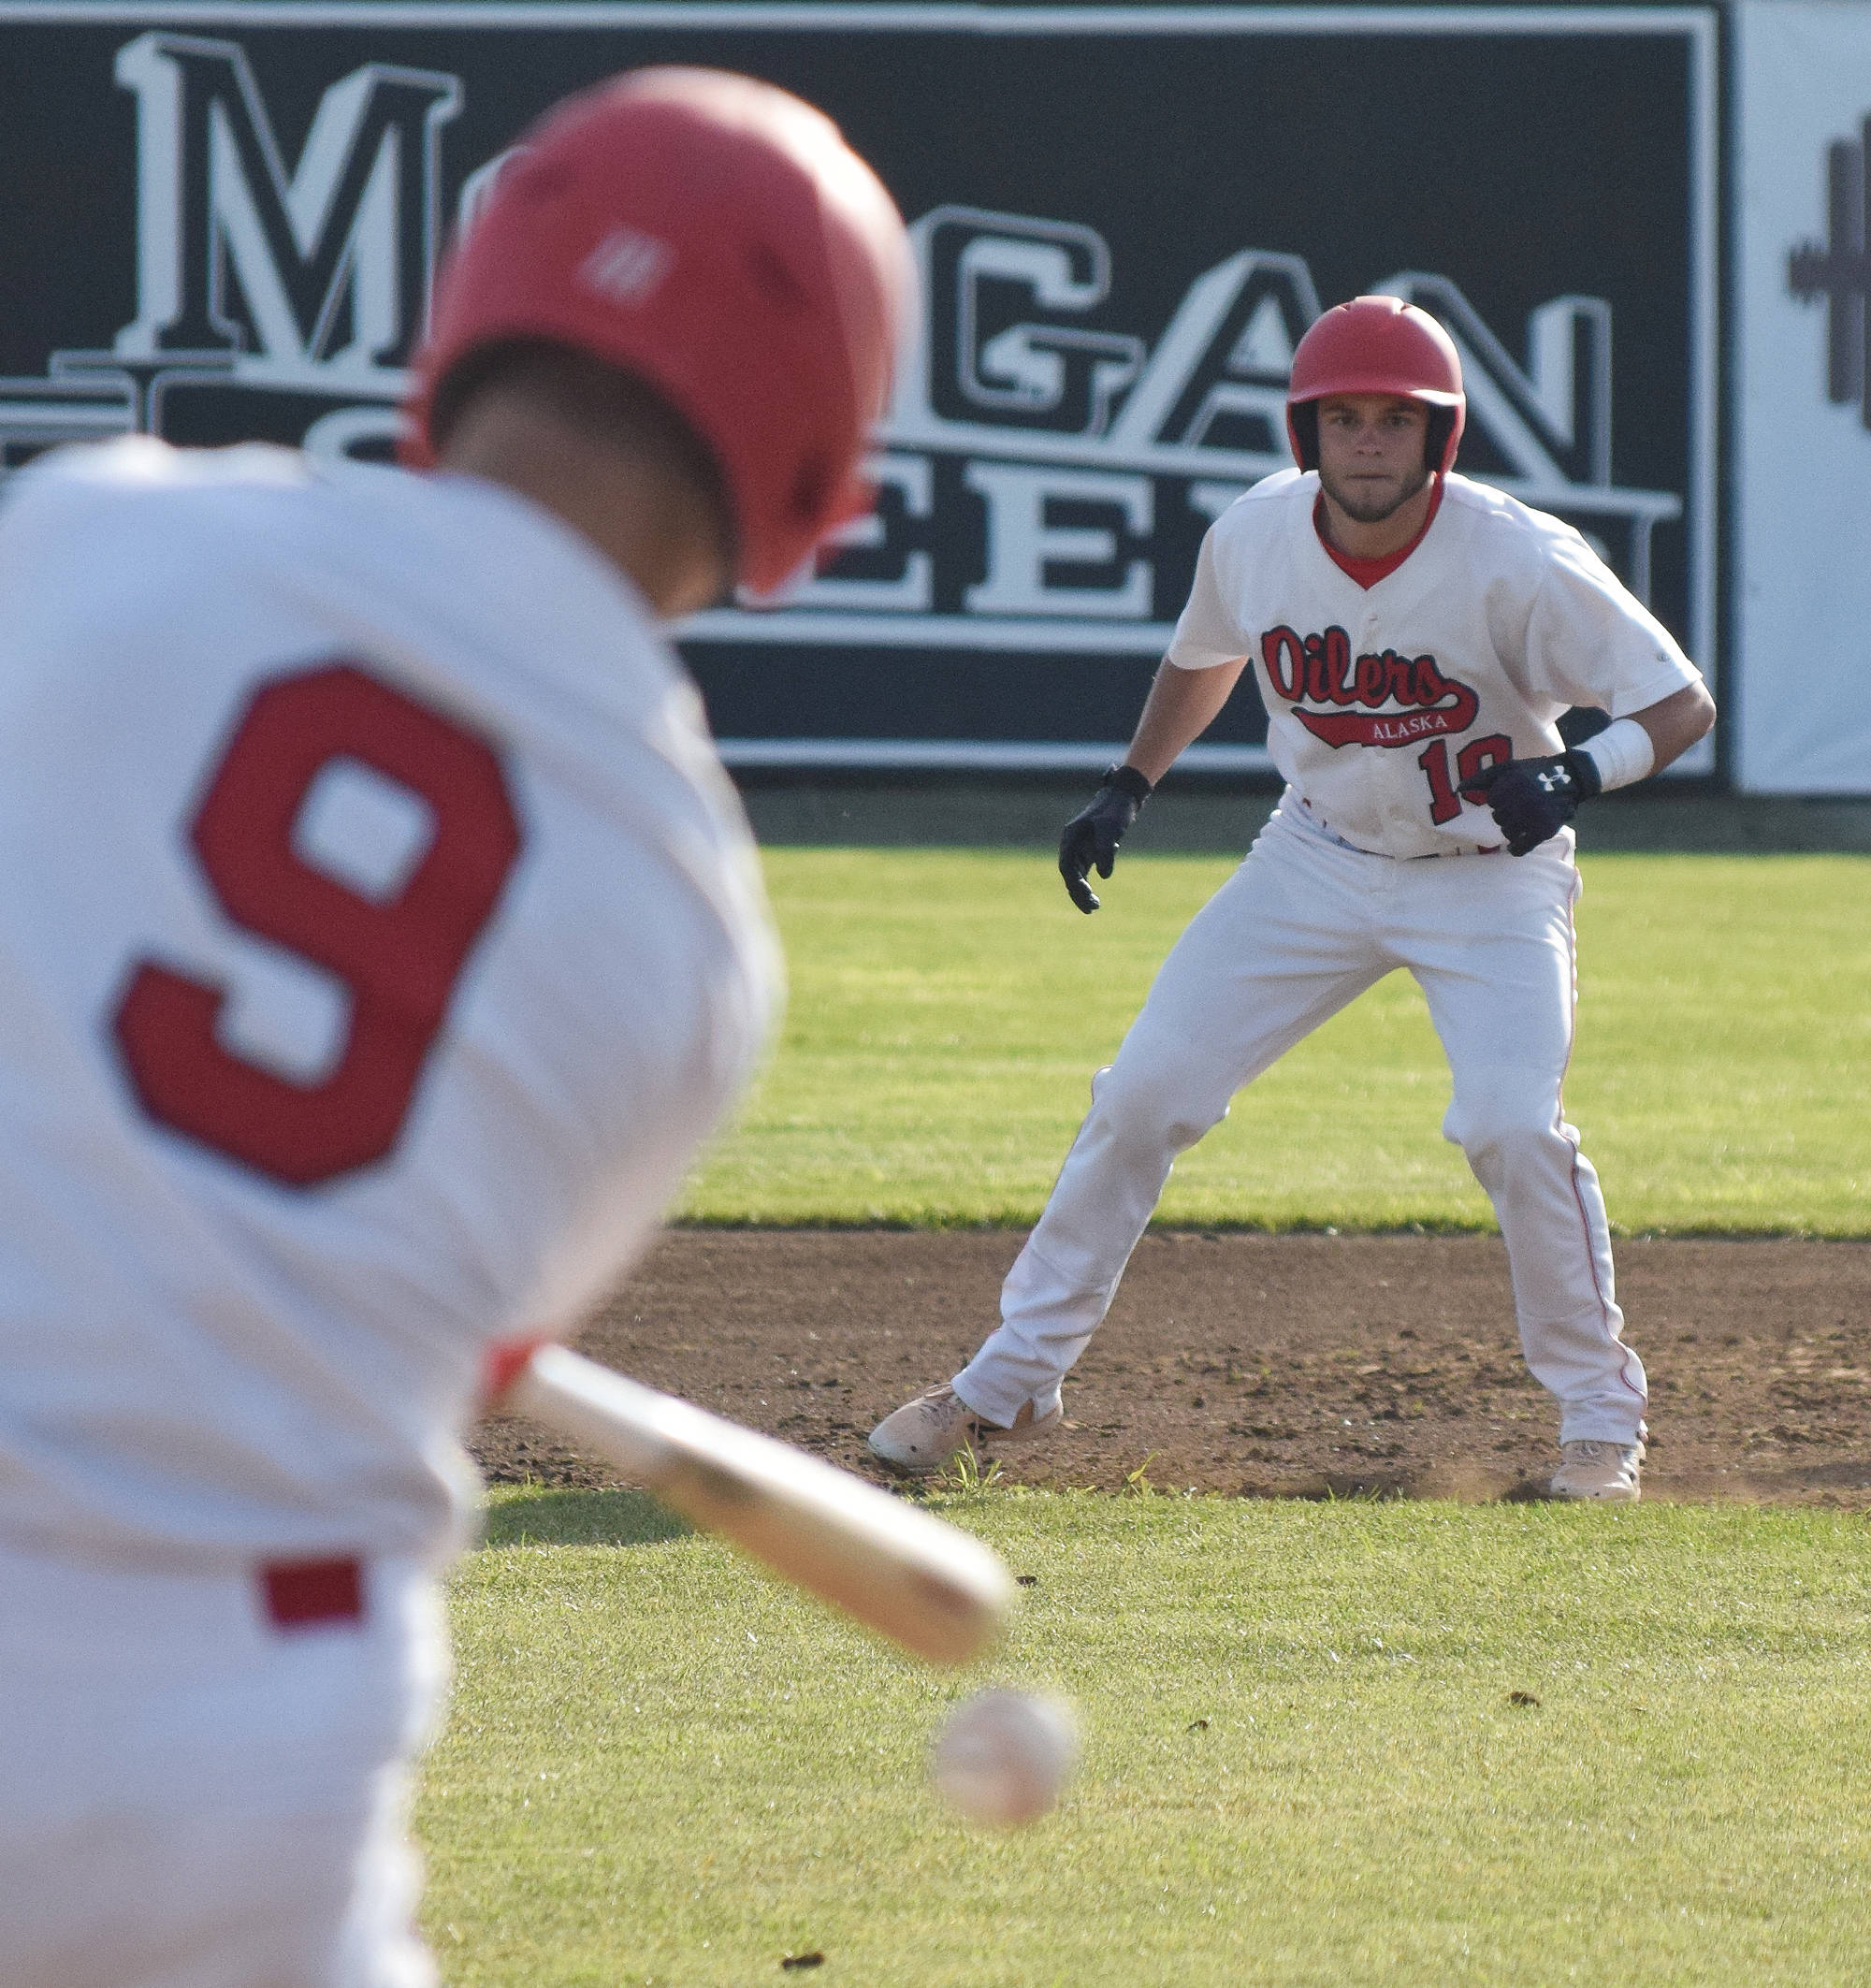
x: 950, y: 1006
x: 1302, y: 1765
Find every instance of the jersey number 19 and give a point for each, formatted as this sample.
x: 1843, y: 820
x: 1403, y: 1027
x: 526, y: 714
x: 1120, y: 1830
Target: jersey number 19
x: 1473, y: 761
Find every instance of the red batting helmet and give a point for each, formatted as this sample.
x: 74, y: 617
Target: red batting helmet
x: 716, y: 236
x: 1377, y: 345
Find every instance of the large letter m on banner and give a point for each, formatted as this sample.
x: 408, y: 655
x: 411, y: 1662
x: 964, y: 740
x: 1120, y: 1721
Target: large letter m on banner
x: 326, y: 269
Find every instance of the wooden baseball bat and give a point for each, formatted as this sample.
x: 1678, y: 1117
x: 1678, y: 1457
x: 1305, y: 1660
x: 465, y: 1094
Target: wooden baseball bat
x: 928, y: 1585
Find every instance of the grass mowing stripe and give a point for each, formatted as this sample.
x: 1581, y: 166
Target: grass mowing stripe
x: 950, y: 1006
x: 1303, y: 1766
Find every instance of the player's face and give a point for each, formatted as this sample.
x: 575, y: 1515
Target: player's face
x: 1372, y: 453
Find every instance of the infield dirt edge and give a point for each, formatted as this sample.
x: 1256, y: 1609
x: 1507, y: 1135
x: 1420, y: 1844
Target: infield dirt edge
x: 1295, y: 1365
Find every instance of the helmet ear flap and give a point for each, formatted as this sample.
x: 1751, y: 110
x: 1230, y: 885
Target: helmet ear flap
x: 1303, y: 430
x: 1439, y: 443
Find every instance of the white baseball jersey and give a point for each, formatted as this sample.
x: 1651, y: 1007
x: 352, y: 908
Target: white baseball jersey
x: 1382, y: 700
x: 381, y: 937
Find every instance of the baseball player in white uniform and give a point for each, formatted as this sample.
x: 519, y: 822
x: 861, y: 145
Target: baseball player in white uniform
x: 1414, y: 637
x: 382, y: 937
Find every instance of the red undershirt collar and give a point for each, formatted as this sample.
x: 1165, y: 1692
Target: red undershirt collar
x: 1366, y: 572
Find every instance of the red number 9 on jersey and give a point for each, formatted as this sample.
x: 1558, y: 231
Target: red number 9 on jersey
x: 399, y: 956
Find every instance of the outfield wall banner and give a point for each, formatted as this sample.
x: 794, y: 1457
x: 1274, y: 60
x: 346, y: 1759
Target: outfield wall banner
x: 1802, y: 618
x: 222, y: 221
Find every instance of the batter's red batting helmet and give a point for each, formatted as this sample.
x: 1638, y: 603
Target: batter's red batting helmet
x: 716, y: 236
x: 1377, y: 345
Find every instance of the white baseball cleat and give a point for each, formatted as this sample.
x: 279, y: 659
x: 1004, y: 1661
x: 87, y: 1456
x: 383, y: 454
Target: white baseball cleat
x: 923, y: 1435
x: 1605, y: 1471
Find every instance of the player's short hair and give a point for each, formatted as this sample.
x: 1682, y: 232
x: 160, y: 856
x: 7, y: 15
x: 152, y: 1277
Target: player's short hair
x: 608, y: 402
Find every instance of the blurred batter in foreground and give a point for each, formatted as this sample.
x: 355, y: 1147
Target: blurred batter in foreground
x: 381, y: 938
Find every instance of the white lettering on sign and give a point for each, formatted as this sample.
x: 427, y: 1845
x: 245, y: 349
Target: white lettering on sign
x: 334, y: 260
x: 1024, y: 545
x: 1043, y: 473
x: 881, y: 572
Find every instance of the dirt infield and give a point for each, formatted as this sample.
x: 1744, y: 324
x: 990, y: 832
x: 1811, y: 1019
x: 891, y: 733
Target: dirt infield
x: 1287, y: 1366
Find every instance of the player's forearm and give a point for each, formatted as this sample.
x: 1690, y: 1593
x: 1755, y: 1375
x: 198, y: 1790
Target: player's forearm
x: 1182, y: 706
x: 1675, y: 722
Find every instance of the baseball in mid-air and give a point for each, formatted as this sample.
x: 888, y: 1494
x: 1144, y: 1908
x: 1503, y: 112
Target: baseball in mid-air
x: 1004, y: 1757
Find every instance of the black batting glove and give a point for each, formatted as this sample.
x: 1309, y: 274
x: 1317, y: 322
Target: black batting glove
x: 1091, y: 837
x: 1532, y: 800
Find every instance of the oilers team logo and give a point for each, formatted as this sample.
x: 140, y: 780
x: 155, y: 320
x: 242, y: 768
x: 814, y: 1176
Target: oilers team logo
x: 1371, y: 700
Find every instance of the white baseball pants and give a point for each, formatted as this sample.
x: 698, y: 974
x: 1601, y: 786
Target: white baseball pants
x: 193, y: 1799
x: 1303, y: 927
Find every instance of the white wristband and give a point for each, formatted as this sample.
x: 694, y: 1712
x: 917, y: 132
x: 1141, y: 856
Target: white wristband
x: 1622, y: 753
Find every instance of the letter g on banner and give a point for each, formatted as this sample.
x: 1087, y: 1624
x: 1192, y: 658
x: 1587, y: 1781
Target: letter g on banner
x: 997, y: 286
